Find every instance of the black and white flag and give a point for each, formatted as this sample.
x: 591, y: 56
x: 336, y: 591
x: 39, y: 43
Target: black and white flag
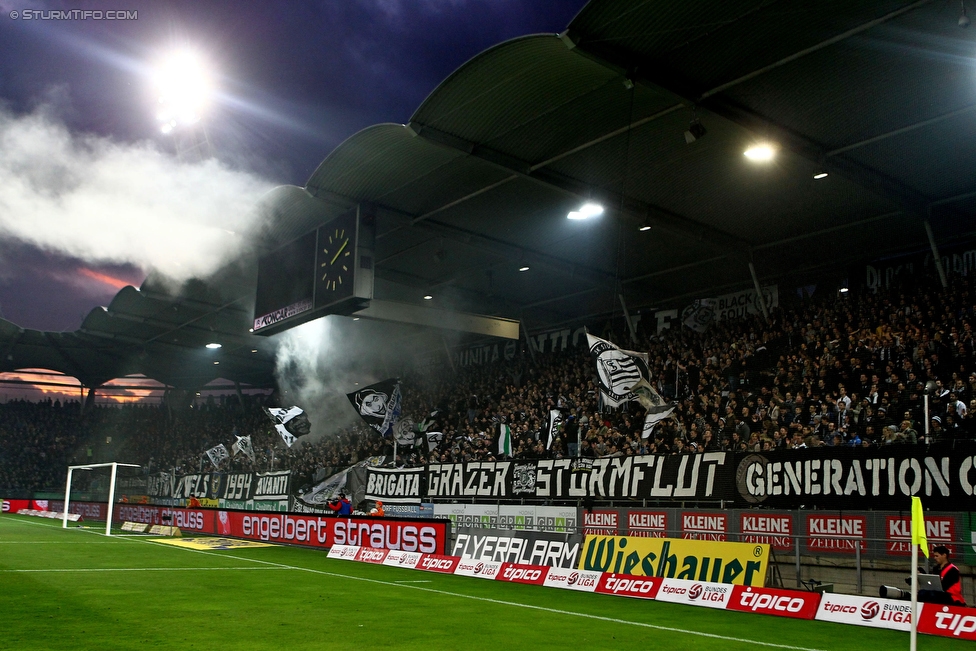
x: 657, y: 407
x: 405, y: 432
x: 243, y: 445
x: 290, y: 422
x: 555, y: 422
x: 217, y: 454
x: 433, y: 439
x: 378, y: 405
x: 617, y: 370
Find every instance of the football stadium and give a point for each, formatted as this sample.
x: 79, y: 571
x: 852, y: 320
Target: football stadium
x: 620, y: 323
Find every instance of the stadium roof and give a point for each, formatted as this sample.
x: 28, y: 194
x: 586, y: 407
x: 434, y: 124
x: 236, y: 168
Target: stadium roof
x: 881, y: 95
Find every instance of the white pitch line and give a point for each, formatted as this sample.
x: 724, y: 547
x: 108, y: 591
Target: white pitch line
x: 502, y: 602
x: 141, y: 569
x: 55, y: 542
x: 413, y: 581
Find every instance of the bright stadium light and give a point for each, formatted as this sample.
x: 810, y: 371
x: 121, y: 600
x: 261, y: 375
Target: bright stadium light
x: 183, y: 90
x: 213, y: 345
x: 586, y: 211
x: 762, y: 152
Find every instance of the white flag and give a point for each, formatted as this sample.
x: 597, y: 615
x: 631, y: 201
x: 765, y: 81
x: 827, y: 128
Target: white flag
x: 243, y: 445
x: 217, y: 454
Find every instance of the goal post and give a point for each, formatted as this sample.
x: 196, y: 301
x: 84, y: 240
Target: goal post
x: 111, y: 489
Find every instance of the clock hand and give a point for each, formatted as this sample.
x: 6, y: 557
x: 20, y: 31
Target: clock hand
x: 339, y: 251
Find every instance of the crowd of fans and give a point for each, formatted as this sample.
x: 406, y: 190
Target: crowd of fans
x: 844, y: 369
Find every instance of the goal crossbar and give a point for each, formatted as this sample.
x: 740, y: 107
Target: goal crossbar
x: 111, y: 489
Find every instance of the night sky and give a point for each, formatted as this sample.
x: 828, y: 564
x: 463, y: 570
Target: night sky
x: 293, y: 81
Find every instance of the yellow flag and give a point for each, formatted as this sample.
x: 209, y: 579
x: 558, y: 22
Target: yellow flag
x: 918, y: 526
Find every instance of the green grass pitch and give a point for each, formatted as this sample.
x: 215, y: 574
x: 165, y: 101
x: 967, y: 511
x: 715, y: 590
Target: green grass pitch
x: 77, y: 589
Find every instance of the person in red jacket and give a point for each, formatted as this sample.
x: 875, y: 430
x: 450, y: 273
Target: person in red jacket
x: 951, y: 581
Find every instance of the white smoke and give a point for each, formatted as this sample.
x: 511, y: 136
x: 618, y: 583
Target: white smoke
x: 109, y: 202
x: 319, y: 362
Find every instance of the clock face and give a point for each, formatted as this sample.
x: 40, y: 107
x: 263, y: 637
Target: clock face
x: 336, y: 257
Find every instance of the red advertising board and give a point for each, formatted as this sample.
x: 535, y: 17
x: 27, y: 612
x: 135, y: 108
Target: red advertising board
x: 626, y: 585
x: 836, y: 534
x: 601, y: 523
x: 770, y: 601
x: 438, y: 563
x: 425, y: 536
x: 773, y: 529
x: 948, y: 621
x: 939, y: 529
x: 704, y: 525
x: 12, y: 506
x: 531, y: 574
x: 371, y: 555
x: 647, y: 524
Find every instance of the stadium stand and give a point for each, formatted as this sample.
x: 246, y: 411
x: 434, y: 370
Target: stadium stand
x: 842, y: 369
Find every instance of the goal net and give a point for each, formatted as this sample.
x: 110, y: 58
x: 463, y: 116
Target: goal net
x: 93, y: 490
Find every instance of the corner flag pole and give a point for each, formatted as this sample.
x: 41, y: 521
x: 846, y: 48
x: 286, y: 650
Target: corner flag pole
x: 918, y: 540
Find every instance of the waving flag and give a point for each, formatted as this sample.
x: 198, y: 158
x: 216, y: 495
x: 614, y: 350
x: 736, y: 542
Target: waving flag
x: 378, y: 405
x: 217, y: 454
x: 617, y: 369
x: 290, y: 422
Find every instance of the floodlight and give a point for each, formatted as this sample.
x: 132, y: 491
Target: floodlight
x: 762, y: 152
x: 821, y: 174
x: 523, y: 268
x: 213, y: 345
x: 427, y: 297
x: 183, y: 88
x: 844, y: 290
x: 586, y: 211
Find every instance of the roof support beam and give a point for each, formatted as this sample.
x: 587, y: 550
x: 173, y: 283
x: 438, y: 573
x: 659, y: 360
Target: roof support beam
x: 631, y: 208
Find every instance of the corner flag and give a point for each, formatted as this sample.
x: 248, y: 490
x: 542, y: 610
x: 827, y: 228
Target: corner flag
x: 918, y: 526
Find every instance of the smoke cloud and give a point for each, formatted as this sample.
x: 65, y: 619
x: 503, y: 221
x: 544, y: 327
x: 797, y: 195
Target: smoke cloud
x: 321, y: 361
x: 108, y: 202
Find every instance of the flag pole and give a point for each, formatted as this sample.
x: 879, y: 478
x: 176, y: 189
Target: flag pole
x: 914, y: 628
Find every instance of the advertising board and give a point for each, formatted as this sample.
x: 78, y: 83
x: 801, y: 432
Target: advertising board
x: 771, y: 601
x: 522, y: 547
x: 569, y: 579
x: 693, y: 560
x: 865, y: 611
x: 695, y: 593
x: 478, y: 569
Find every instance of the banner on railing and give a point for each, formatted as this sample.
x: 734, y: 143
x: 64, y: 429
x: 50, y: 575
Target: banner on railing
x: 241, y: 486
x: 943, y: 476
x: 660, y: 477
x: 397, y: 486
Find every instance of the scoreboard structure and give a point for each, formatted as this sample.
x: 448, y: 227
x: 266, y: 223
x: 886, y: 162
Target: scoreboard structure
x: 326, y: 271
